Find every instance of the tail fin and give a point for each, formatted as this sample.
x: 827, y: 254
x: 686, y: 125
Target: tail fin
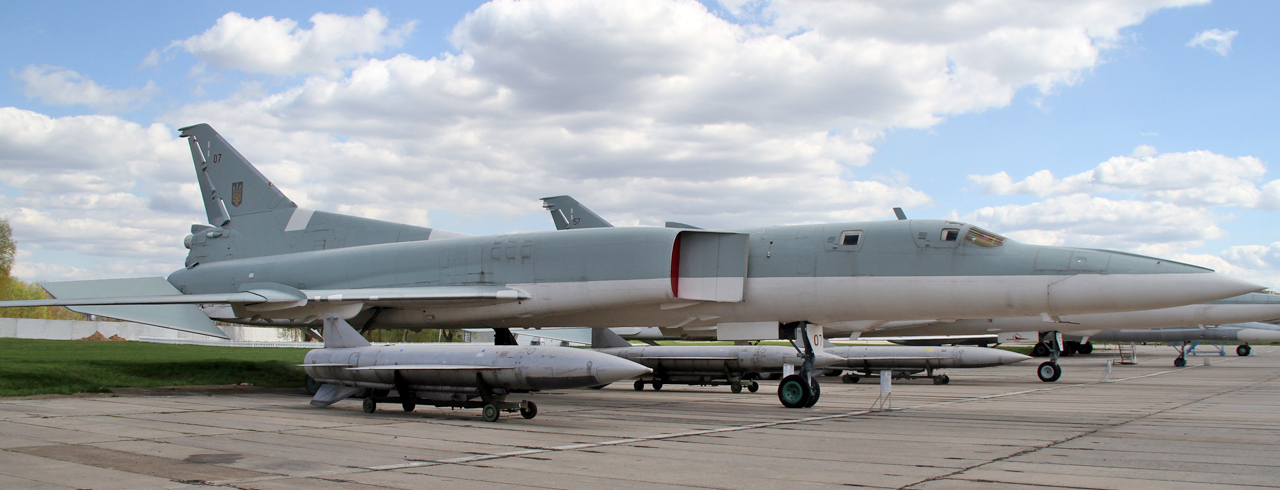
x: 568, y: 214
x: 603, y: 338
x: 227, y: 178
x: 251, y: 217
x: 339, y: 334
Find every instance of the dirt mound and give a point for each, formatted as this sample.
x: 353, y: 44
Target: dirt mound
x: 98, y: 337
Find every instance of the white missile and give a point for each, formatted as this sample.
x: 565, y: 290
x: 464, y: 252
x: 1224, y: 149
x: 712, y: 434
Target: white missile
x: 907, y: 360
x: 462, y: 376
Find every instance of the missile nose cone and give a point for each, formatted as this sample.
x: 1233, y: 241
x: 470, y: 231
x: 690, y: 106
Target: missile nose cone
x: 1005, y: 357
x: 615, y: 369
x: 1258, y: 335
x: 824, y: 359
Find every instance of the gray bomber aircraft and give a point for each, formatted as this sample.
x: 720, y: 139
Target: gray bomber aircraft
x: 1049, y: 327
x: 262, y: 260
x: 459, y: 375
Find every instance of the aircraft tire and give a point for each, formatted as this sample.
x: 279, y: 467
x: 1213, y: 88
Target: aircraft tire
x: 408, y: 406
x: 849, y: 378
x: 657, y: 385
x: 1040, y: 350
x: 1179, y: 362
x: 793, y: 392
x: 1049, y: 371
x: 490, y: 413
x: 313, y: 386
x: 753, y: 387
x: 1086, y: 348
x: 530, y: 410
x: 639, y: 385
x: 1243, y: 350
x: 813, y: 397
x: 736, y: 387
x: 369, y: 406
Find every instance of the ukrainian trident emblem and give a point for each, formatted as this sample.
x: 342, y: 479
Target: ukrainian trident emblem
x: 237, y: 193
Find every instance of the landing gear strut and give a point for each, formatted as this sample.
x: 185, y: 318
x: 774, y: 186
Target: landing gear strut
x: 799, y: 390
x: 1049, y: 371
x: 1181, y: 360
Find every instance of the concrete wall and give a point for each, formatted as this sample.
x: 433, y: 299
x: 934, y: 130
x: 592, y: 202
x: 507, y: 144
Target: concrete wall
x: 25, y: 328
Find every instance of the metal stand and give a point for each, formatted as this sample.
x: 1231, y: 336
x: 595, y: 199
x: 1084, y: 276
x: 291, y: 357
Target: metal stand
x: 884, y: 402
x: 1106, y: 375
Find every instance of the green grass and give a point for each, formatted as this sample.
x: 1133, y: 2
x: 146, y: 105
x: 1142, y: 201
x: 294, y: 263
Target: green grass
x: 31, y: 367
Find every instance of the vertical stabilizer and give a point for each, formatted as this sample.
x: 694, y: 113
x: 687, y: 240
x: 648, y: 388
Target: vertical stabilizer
x: 568, y: 214
x: 339, y: 334
x: 603, y: 338
x: 251, y: 217
x: 230, y: 185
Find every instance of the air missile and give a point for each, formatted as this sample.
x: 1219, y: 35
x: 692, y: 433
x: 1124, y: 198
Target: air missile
x: 460, y: 376
x: 906, y: 361
x: 707, y: 365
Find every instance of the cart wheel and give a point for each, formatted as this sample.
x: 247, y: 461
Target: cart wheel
x: 490, y: 413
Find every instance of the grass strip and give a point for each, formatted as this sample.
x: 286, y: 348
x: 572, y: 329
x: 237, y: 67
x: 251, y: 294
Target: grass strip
x: 32, y: 367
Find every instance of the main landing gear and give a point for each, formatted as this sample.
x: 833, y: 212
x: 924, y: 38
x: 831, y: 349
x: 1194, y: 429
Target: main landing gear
x: 799, y: 390
x: 1050, y: 371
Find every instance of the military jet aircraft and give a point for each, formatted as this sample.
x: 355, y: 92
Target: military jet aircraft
x: 1048, y: 327
x: 1179, y: 337
x: 262, y: 260
x: 459, y: 375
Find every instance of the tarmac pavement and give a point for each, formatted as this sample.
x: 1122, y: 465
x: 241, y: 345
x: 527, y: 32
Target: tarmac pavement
x: 1155, y: 427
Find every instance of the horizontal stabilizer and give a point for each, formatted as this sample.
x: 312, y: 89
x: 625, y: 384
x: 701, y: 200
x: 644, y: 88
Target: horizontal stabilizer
x: 185, y: 317
x: 330, y: 394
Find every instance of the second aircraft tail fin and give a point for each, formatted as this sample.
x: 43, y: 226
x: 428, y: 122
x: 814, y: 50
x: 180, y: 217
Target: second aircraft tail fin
x: 569, y: 214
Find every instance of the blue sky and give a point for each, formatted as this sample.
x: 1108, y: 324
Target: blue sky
x: 751, y: 113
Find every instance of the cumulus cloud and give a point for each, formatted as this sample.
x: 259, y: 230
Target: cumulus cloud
x: 645, y: 110
x: 1196, y: 178
x: 1080, y: 220
x: 86, y: 184
x: 56, y: 85
x: 1216, y: 40
x: 279, y: 47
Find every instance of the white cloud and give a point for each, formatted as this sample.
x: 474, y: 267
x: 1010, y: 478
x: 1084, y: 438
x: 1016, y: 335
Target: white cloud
x: 279, y: 47
x: 1196, y: 178
x: 56, y: 85
x: 1216, y: 40
x: 645, y: 110
x: 1080, y: 220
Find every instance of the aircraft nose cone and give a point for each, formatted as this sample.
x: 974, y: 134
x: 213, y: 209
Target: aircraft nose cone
x: 612, y: 369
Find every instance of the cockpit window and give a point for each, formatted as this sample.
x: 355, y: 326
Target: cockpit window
x: 983, y: 238
x: 950, y: 234
x: 850, y: 237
